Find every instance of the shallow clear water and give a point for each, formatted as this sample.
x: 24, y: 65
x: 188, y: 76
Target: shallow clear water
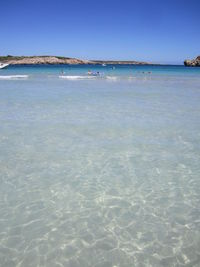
x: 102, y: 172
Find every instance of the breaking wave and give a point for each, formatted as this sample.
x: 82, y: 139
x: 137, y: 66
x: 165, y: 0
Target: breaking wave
x: 77, y: 77
x: 12, y: 77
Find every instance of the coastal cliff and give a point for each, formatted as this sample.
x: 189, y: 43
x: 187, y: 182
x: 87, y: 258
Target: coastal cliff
x: 52, y: 60
x: 193, y: 62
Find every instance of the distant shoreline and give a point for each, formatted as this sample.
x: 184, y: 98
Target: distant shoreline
x: 57, y: 60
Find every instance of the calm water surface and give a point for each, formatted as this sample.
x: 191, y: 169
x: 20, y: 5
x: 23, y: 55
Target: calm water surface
x: 102, y: 172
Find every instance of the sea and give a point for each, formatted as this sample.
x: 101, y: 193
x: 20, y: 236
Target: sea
x: 99, y: 170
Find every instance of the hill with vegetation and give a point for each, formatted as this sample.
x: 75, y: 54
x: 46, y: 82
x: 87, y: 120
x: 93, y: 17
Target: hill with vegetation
x: 38, y: 60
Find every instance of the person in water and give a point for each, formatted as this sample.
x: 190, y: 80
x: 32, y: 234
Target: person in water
x: 89, y: 72
x: 93, y: 73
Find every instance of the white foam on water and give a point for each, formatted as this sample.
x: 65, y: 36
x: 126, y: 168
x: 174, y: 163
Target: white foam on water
x: 76, y: 77
x: 113, y: 78
x: 132, y: 78
x: 10, y: 77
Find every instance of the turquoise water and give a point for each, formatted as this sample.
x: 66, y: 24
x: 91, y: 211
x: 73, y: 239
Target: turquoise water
x: 101, y: 172
x: 119, y: 70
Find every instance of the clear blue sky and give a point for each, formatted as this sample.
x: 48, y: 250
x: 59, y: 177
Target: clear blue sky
x: 166, y: 31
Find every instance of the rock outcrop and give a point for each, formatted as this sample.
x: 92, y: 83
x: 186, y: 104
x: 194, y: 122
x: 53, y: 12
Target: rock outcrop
x: 193, y: 62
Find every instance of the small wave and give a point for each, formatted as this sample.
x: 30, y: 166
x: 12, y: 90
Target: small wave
x: 131, y: 78
x: 10, y: 77
x: 77, y: 77
x: 112, y: 78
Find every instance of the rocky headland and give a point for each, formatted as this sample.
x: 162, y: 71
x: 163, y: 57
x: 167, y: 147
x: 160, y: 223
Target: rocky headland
x: 192, y: 63
x: 39, y: 60
x: 52, y: 60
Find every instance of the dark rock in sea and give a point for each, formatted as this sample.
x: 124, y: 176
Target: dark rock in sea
x: 193, y: 62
